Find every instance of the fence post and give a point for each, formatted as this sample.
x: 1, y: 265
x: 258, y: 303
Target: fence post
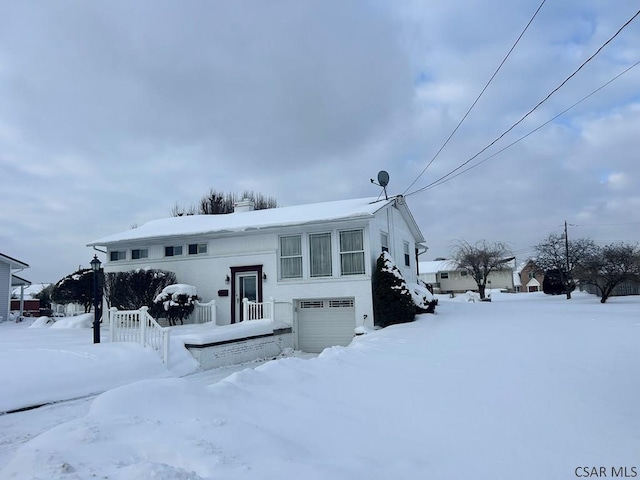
x: 142, y: 315
x: 112, y: 324
x: 165, y: 341
x: 214, y: 318
x: 272, y: 309
x: 245, y: 309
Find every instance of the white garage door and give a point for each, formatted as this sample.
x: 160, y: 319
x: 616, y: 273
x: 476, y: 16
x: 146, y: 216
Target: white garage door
x: 324, y: 323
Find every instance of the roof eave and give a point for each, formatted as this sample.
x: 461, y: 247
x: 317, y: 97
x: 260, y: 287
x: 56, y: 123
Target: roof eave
x: 230, y: 233
x: 13, y: 262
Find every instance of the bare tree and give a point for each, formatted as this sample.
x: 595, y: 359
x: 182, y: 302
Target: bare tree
x: 216, y: 203
x: 480, y: 259
x: 606, y: 267
x: 557, y: 253
x: 180, y: 211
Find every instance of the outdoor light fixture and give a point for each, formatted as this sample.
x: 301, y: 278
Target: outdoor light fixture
x: 264, y: 276
x: 95, y: 266
x: 227, y: 279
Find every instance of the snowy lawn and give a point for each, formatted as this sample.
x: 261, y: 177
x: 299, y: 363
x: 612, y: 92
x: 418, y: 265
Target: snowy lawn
x: 44, y: 363
x: 527, y: 386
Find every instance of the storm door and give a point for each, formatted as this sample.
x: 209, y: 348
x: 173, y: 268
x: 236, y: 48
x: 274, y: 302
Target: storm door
x: 247, y: 283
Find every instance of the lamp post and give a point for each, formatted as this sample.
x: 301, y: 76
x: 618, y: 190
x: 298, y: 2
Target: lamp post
x: 95, y: 266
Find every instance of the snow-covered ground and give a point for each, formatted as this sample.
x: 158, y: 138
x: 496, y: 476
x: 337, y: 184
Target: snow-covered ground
x: 527, y: 386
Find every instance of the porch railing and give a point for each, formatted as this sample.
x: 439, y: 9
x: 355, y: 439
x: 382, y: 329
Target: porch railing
x: 257, y: 311
x: 204, y: 313
x: 138, y: 326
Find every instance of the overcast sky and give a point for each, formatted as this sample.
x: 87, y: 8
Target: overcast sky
x: 111, y: 112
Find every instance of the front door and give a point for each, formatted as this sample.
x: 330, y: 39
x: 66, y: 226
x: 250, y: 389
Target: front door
x: 246, y: 284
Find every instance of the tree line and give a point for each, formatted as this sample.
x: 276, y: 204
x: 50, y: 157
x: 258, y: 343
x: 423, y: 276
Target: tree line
x: 578, y: 261
x: 218, y: 203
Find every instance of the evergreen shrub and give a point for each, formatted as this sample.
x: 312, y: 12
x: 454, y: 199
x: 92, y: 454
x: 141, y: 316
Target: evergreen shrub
x: 392, y: 302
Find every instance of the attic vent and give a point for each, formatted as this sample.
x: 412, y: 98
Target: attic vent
x: 244, y: 205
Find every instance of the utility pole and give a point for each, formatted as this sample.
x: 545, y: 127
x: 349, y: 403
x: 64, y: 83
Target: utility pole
x: 566, y: 251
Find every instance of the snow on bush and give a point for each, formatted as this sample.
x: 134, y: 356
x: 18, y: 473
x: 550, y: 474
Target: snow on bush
x: 41, y: 322
x: 422, y: 298
x: 79, y: 321
x: 178, y: 300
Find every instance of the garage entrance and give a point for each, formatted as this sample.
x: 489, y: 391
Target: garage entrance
x: 325, y: 322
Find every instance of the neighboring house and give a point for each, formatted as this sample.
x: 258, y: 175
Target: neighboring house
x: 446, y: 277
x: 528, y: 277
x: 24, y: 297
x: 8, y: 265
x: 318, y: 259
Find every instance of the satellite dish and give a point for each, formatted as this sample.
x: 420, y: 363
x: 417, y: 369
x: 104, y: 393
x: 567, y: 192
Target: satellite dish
x: 383, y: 181
x: 383, y: 178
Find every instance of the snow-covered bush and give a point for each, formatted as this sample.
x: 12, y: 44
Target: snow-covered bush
x: 178, y: 301
x: 392, y: 302
x: 41, y: 322
x: 422, y: 298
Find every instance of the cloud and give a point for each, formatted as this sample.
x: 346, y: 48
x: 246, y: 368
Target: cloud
x: 110, y: 114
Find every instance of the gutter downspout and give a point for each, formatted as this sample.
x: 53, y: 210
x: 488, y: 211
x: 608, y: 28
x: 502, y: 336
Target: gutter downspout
x: 418, y: 253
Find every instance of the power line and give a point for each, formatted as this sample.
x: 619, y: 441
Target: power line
x: 448, y: 176
x: 607, y: 224
x: 536, y: 106
x: 477, y: 98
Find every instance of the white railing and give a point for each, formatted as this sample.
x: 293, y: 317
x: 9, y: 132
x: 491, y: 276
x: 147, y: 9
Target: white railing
x: 204, y: 313
x: 257, y: 311
x: 138, y: 326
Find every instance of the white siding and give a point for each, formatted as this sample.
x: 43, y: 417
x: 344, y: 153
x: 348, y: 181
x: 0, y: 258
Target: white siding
x: 391, y: 221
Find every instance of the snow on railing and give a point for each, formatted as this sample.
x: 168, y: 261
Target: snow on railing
x: 139, y: 326
x: 257, y: 311
x: 204, y: 312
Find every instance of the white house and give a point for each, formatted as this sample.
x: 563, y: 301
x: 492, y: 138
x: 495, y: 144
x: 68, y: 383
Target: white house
x: 314, y: 260
x: 446, y: 277
x: 7, y: 280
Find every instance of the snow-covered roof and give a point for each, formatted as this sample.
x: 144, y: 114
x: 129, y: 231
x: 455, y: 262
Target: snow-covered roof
x: 517, y: 282
x: 251, y: 220
x: 17, y: 281
x: 435, y: 266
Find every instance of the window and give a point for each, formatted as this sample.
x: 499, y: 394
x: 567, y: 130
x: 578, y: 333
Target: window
x: 532, y: 275
x: 138, y: 253
x: 444, y: 275
x: 197, y: 248
x: 407, y: 256
x: 463, y: 273
x: 346, y: 303
x: 320, y: 255
x: 291, y: 256
x: 119, y: 255
x: 312, y: 304
x: 351, y: 252
x: 384, y: 241
x: 173, y: 251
